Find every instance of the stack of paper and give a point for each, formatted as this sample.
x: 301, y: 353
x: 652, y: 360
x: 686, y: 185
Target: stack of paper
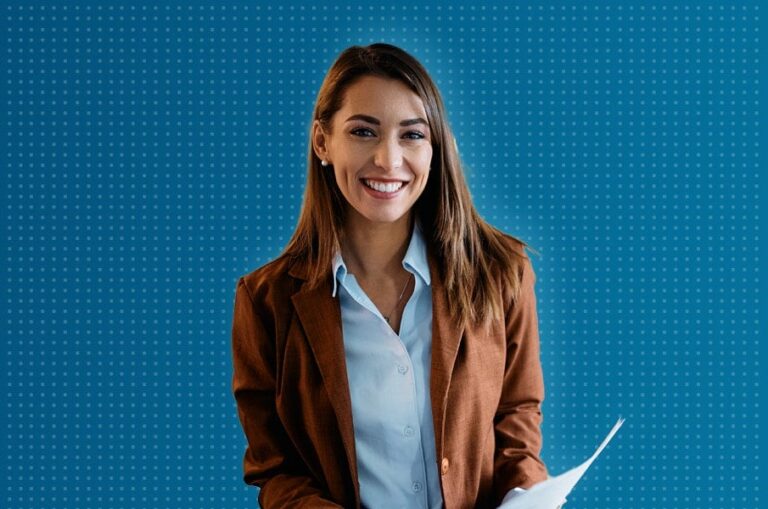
x: 551, y: 493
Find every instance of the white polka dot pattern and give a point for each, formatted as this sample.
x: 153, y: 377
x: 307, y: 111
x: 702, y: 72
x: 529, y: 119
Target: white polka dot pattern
x: 153, y: 152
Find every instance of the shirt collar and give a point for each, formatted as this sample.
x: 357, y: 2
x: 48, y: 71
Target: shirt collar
x: 415, y: 258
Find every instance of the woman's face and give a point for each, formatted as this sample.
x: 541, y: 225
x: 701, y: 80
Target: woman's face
x: 380, y: 139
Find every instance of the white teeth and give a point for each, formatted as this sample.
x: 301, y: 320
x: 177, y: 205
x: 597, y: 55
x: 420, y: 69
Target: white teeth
x: 384, y: 188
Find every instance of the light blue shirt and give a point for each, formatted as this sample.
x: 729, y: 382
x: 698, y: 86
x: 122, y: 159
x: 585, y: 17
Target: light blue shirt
x: 389, y: 387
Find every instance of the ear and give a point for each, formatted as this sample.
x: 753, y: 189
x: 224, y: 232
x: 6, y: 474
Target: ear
x: 319, y: 141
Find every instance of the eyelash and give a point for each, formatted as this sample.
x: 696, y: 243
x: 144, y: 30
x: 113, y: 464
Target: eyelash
x: 421, y: 136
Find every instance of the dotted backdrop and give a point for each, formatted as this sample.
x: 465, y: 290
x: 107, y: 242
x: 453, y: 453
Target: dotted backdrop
x: 154, y: 152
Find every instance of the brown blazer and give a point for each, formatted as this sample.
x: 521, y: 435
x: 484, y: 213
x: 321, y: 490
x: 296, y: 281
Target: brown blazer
x: 290, y: 385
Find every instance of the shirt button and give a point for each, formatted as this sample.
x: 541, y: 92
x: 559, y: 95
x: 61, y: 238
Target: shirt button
x: 416, y: 486
x: 408, y: 431
x: 402, y: 369
x: 444, y: 466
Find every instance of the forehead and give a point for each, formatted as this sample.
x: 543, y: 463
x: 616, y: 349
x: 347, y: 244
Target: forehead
x: 386, y: 99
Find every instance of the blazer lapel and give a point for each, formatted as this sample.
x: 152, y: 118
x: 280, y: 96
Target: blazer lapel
x: 320, y: 316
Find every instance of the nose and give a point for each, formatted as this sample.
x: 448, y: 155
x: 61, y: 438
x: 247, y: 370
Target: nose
x: 389, y: 155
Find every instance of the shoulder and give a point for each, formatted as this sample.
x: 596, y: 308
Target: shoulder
x: 270, y: 280
x: 516, y: 269
x: 519, y: 258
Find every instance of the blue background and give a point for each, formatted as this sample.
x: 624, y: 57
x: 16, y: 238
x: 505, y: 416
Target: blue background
x: 153, y: 153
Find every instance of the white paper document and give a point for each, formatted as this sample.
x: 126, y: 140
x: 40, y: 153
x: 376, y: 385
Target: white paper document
x: 551, y: 493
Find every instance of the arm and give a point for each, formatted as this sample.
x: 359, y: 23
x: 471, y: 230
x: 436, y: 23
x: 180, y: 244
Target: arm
x: 270, y: 460
x: 518, y: 418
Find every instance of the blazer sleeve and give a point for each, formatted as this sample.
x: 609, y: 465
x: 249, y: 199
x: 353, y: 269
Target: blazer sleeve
x: 270, y: 461
x: 517, y: 461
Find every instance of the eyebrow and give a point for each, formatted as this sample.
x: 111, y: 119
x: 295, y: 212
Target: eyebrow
x: 374, y: 120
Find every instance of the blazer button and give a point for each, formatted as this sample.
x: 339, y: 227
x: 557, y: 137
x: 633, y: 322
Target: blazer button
x: 444, y: 466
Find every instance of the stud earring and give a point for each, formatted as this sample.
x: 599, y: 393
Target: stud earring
x: 324, y: 162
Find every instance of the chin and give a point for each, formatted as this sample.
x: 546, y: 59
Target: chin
x: 381, y: 217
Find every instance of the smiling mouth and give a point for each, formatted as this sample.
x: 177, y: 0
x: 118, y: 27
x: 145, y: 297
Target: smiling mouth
x: 384, y: 186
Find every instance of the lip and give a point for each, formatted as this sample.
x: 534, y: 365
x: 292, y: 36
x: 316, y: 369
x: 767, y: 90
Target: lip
x: 385, y: 180
x: 384, y: 196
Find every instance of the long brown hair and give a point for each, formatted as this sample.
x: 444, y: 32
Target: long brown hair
x: 466, y: 247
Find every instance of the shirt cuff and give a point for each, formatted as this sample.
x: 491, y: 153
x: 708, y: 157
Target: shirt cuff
x: 514, y: 492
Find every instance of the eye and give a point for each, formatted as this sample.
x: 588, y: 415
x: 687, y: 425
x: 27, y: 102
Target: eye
x: 360, y: 130
x: 417, y: 134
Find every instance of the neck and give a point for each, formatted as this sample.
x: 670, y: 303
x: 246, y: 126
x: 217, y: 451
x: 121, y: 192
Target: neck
x: 374, y: 251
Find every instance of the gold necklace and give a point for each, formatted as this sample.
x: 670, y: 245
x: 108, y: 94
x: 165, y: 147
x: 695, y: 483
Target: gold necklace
x: 399, y: 298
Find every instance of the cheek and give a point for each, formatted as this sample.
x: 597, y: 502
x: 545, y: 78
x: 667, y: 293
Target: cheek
x: 427, y: 159
x: 425, y: 168
x: 342, y: 179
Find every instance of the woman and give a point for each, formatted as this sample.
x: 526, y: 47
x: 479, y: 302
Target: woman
x: 389, y: 357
